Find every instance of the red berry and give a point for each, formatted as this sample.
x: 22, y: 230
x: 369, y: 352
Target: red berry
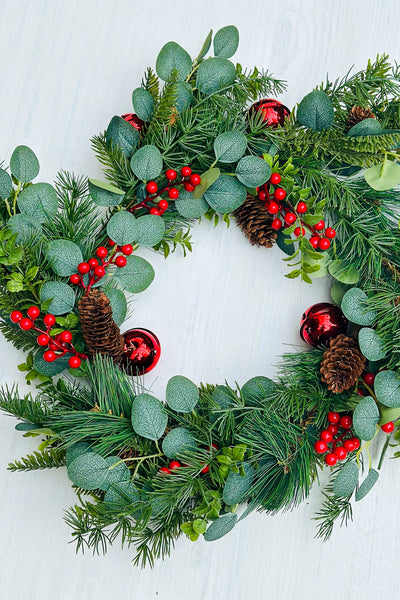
x: 195, y: 179
x: 186, y: 171
x: 49, y: 356
x: 99, y: 272
x: 174, y: 464
x: 205, y: 469
x: 276, y: 224
x: 262, y: 194
x: 213, y: 446
x: 74, y: 362
x: 26, y: 324
x: 320, y: 447
x: 272, y: 208
x: 324, y: 244
x: 43, y: 339
x: 290, y: 218
x: 275, y: 179
x: 75, y: 279
x: 173, y: 193
x: 369, y: 378
x: 49, y: 320
x: 151, y: 187
x: 163, y: 205
x: 102, y: 252
x: 33, y: 312
x: 356, y: 442
x: 301, y: 208
x: 320, y: 225
x: 164, y: 470
x: 154, y: 211
x: 330, y: 233
x: 326, y: 436
x: 279, y: 194
x: 110, y: 243
x: 189, y: 187
x: 171, y: 174
x: 331, y: 459
x: 333, y: 417
x: 16, y: 316
x: 53, y: 345
x: 346, y: 422
x: 83, y: 268
x: 333, y: 429
x: 314, y: 241
x: 388, y: 427
x: 297, y: 231
x: 93, y: 262
x: 66, y: 336
x: 340, y: 452
x: 127, y: 249
x: 120, y: 261
x: 349, y: 445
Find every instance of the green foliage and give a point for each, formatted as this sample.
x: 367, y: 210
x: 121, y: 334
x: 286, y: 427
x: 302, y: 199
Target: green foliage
x: 46, y: 459
x: 121, y: 134
x: 387, y: 388
x: 62, y: 297
x: 6, y: 186
x: 177, y: 441
x: 172, y: 58
x: 366, y: 127
x: 38, y: 202
x: 252, y: 171
x: 147, y: 163
x: 24, y: 164
x: 371, y: 344
x: 237, y: 485
x: 64, y: 257
x: 315, y: 111
x: 226, y: 194
x: 119, y: 305
x: 354, y: 307
x: 384, y: 176
x: 143, y: 104
x: 189, y: 207
x: 149, y: 418
x: 182, y: 394
x: 367, y: 485
x: 215, y: 74
x: 121, y: 228
x: 346, y: 480
x: 229, y: 147
x: 136, y: 276
x: 332, y: 509
x: 226, y: 41
x: 149, y: 230
x: 365, y: 418
x: 105, y: 194
x: 220, y: 527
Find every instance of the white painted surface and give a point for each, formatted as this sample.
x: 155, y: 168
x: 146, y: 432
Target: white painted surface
x: 225, y: 312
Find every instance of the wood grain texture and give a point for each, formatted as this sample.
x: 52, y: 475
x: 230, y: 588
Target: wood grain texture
x: 224, y: 312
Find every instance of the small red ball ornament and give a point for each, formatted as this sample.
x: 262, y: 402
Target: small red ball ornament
x: 322, y: 322
x: 141, y: 352
x: 134, y: 121
x: 273, y: 112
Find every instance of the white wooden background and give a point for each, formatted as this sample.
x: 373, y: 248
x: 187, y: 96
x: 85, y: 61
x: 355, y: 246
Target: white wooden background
x: 224, y: 312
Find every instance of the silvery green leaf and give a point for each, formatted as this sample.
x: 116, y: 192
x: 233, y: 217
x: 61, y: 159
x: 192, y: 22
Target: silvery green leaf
x: 123, y: 134
x: 6, y: 187
x: 64, y: 257
x: 62, y: 295
x: 38, y: 202
x: 365, y: 418
x: 172, y: 57
x: 121, y: 228
x: 237, y: 486
x: 147, y: 163
x: 118, y: 304
x: 105, y: 194
x: 346, y: 480
x: 355, y: 309
x: 371, y: 344
x: 149, y: 418
x: 387, y: 388
x: 189, y: 207
x: 136, y: 276
x: 178, y: 440
x: 182, y: 394
x: 229, y: 147
x: 226, y: 194
x: 215, y: 74
x: 226, y: 41
x: 220, y: 527
x: 24, y: 164
x: 143, y: 104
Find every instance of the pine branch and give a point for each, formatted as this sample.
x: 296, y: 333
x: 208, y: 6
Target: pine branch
x: 47, y: 459
x: 151, y: 83
x: 332, y: 509
x: 35, y: 410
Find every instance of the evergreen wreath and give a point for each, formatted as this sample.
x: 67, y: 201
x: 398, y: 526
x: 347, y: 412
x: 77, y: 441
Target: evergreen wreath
x: 320, y: 182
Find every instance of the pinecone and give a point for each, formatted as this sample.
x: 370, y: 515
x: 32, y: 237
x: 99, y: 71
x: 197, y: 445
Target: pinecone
x: 342, y: 364
x: 255, y: 222
x: 101, y: 333
x: 357, y: 114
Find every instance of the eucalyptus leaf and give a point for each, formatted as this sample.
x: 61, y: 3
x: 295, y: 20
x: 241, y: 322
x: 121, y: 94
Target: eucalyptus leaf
x: 226, y: 41
x: 88, y: 471
x: 384, y: 176
x: 220, y: 527
x: 118, y: 304
x: 117, y: 471
x: 117, y: 493
x: 172, y: 57
x: 365, y: 127
x: 143, y: 104
x: 184, y: 96
x: 147, y: 163
x: 223, y: 396
x: 315, y: 111
x: 344, y: 272
x: 214, y: 74
x: 182, y: 394
x: 207, y: 179
x: 387, y: 389
x: 38, y: 202
x: 229, y: 147
x: 189, y: 207
x: 62, y: 297
x: 253, y: 171
x: 24, y: 227
x: 50, y: 369
x: 136, y: 276
x: 121, y: 133
x: 121, y: 228
x: 24, y: 164
x: 388, y: 414
x: 6, y: 186
x: 346, y: 480
x: 226, y: 194
x: 258, y: 388
x: 149, y: 230
x: 338, y: 290
x: 367, y: 485
x: 76, y: 450
x: 237, y: 486
x: 371, y: 344
x: 354, y: 307
x: 365, y: 418
x: 149, y: 418
x: 105, y: 194
x: 64, y: 257
x: 205, y: 47
x: 178, y: 440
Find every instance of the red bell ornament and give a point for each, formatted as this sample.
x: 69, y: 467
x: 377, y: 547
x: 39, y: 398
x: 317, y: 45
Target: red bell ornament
x: 134, y: 121
x: 322, y: 322
x: 141, y: 351
x: 273, y: 112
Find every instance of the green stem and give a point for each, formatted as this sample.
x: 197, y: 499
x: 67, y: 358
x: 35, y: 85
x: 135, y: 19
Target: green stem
x: 385, y: 447
x: 8, y: 207
x: 16, y: 197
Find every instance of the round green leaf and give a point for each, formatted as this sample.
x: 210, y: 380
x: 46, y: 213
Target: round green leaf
x: 121, y: 493
x: 220, y: 527
x: 147, y: 163
x: 24, y: 227
x: 76, y: 450
x: 184, y: 96
x: 119, y: 305
x: 123, y: 134
x: 354, y: 307
x: 6, y: 187
x: 50, y: 369
x: 117, y: 472
x: 257, y: 388
x: 149, y: 230
x: 105, y: 194
x: 63, y: 297
x: 38, y: 202
x: 230, y: 146
x: 236, y: 486
x: 136, y: 276
x: 367, y: 485
x: 346, y: 480
x: 226, y: 194
x: 182, y: 394
x: 24, y: 164
x: 253, y: 171
x: 149, y: 418
x: 214, y: 74
x: 338, y: 290
x: 226, y: 41
x: 121, y: 228
x: 88, y: 471
x: 371, y: 344
x: 344, y: 272
x: 173, y: 57
x: 64, y: 257
x: 365, y: 127
x: 25, y: 426
x: 189, y: 207
x: 365, y: 418
x: 387, y: 388
x: 223, y: 396
x: 178, y: 440
x: 384, y: 176
x: 143, y: 104
x: 315, y: 111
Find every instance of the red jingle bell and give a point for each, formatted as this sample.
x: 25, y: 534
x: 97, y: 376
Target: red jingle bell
x: 141, y: 351
x: 322, y: 322
x: 134, y: 121
x: 273, y: 112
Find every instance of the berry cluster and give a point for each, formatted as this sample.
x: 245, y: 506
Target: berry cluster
x: 174, y: 464
x: 339, y: 435
x: 57, y: 346
x: 369, y: 379
x: 154, y: 201
x: 94, y: 269
x: 274, y: 197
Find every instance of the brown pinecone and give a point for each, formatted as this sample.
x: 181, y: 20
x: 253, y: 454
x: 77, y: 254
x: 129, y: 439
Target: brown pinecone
x: 357, y: 114
x: 342, y: 364
x: 101, y: 333
x: 255, y: 222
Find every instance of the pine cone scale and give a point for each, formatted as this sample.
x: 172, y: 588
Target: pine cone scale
x: 342, y: 364
x: 255, y: 222
x: 358, y: 114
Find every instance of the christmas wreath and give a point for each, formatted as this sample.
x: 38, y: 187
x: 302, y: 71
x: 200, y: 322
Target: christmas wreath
x: 207, y: 141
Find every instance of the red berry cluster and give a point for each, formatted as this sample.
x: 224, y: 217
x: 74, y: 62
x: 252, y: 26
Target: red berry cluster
x: 154, y: 202
x: 369, y: 379
x: 95, y: 268
x: 339, y: 436
x: 274, y: 203
x: 58, y: 346
x: 174, y: 464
